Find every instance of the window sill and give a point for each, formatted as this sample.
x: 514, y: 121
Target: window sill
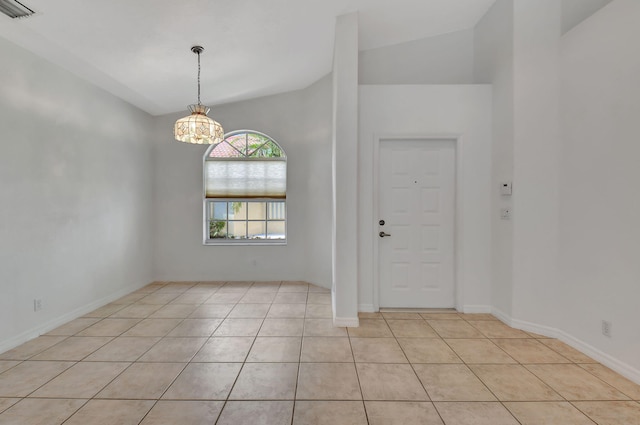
x: 213, y: 242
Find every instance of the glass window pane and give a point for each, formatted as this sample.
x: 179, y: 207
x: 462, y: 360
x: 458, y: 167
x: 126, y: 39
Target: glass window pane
x: 237, y: 210
x: 277, y: 211
x: 257, y: 230
x: 217, y: 229
x: 218, y: 210
x: 237, y: 230
x: 276, y: 230
x: 257, y: 210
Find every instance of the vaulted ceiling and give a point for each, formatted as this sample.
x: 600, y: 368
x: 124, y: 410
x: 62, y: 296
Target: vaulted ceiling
x: 139, y: 49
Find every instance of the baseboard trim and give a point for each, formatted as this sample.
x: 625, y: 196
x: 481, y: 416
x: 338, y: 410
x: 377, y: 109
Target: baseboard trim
x: 471, y: 309
x: 49, y: 325
x: 607, y: 360
x: 366, y: 308
x: 346, y: 322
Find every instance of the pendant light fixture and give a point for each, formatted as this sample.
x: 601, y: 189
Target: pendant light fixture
x: 198, y: 128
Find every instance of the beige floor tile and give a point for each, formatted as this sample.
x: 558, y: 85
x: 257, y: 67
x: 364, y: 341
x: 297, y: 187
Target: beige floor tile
x: 322, y: 327
x: 225, y: 298
x: 258, y: 298
x: 283, y: 311
x: 73, y: 348
x: 29, y: 376
x: 294, y: 287
x: 123, y: 349
x: 482, y: 413
x: 83, y: 380
x: 266, y: 286
x: 328, y: 381
x: 266, y: 381
x: 479, y: 351
x: 195, y: 298
x: 136, y: 311
x: 31, y: 348
x: 282, y: 327
x: 377, y: 350
x: 129, y: 299
x: 236, y: 286
x: 329, y: 413
x: 575, y: 383
x: 40, y: 412
x: 183, y: 413
x: 111, y: 412
x: 450, y: 382
x: 547, y: 413
x: 567, y: 351
x: 153, y: 327
x: 369, y: 315
x: 73, y: 327
x: 611, y: 412
x: 411, y: 329
x: 204, y: 381
x: 529, y: 351
x: 428, y: 350
x: 238, y: 327
x: 319, y: 311
x: 622, y: 384
x: 212, y: 311
x: 257, y: 413
x: 401, y: 316
x: 106, y: 310
x: 142, y: 381
x: 273, y: 349
x: 225, y: 349
x: 196, y: 327
x: 318, y: 298
x: 174, y: 311
x: 179, y: 350
x: 454, y: 329
x: 290, y: 298
x: 495, y: 329
x: 320, y: 289
x: 319, y: 349
x: 109, y: 327
x: 441, y: 316
x: 6, y: 403
x: 249, y: 311
x: 514, y: 383
x: 371, y: 328
x: 402, y: 413
x: 8, y: 364
x: 390, y: 382
x: 159, y: 298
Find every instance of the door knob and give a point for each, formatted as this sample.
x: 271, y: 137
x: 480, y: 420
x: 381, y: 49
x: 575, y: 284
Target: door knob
x: 383, y: 234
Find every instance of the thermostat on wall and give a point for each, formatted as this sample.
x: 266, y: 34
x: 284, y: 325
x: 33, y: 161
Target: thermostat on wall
x: 505, y: 188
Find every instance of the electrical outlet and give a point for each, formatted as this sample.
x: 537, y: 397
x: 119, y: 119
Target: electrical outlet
x: 505, y: 214
x: 606, y: 328
x: 37, y: 305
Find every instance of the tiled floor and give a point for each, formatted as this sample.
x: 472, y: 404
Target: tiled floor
x: 267, y: 353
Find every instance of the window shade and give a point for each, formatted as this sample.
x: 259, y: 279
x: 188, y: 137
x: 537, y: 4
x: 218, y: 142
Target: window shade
x: 248, y: 178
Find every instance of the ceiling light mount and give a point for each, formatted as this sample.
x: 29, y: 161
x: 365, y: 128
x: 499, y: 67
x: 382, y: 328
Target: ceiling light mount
x: 198, y: 128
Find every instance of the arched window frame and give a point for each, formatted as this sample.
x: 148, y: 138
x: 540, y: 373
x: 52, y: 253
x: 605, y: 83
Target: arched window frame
x: 274, y: 206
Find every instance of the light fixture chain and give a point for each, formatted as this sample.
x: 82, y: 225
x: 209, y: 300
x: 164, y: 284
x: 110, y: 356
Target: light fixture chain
x: 199, y: 78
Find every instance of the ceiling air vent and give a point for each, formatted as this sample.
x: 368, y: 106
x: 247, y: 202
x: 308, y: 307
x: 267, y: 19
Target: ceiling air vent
x: 15, y: 9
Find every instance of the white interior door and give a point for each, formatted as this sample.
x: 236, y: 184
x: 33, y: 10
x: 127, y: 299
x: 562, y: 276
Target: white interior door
x: 417, y: 203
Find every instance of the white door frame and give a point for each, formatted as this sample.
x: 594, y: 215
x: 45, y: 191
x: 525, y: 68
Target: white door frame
x: 456, y: 138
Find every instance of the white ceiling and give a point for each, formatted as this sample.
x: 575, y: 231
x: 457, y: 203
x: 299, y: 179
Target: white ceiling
x: 139, y: 49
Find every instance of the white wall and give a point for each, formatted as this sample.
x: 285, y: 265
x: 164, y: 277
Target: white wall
x: 300, y: 122
x: 444, y: 59
x: 75, y: 184
x: 345, y: 164
x: 463, y: 110
x: 494, y: 65
x: 600, y: 181
x: 576, y: 11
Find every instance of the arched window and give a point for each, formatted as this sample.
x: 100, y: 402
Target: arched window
x: 245, y: 190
